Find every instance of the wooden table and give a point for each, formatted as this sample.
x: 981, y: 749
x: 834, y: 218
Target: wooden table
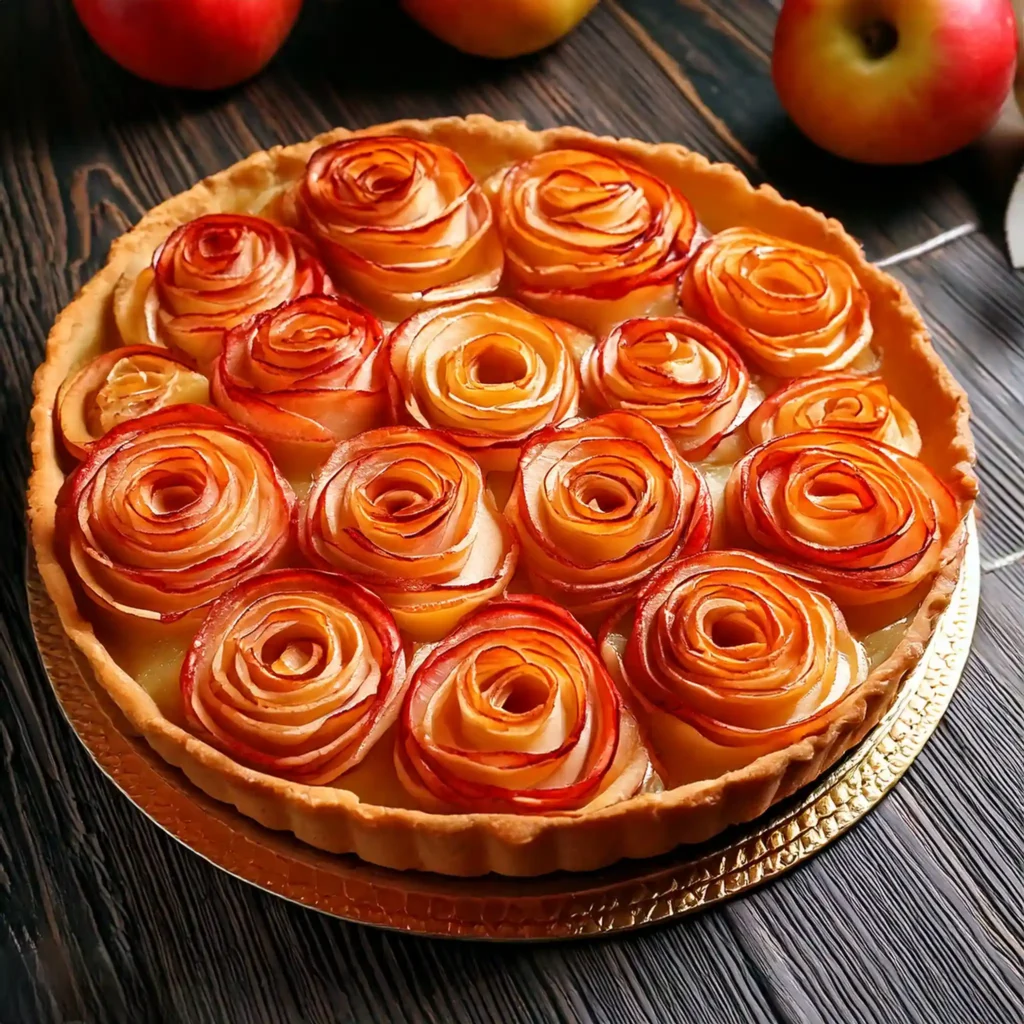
x: 917, y: 915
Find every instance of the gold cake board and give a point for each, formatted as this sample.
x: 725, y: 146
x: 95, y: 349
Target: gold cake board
x: 626, y: 896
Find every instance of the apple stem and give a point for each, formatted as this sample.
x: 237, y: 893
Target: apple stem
x: 880, y: 38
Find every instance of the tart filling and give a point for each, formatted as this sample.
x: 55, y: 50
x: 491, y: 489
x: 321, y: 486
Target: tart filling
x: 600, y: 505
x: 489, y: 372
x: 728, y: 656
x: 168, y: 512
x: 678, y: 374
x: 121, y: 385
x: 850, y: 402
x: 514, y: 712
x: 297, y: 673
x: 304, y: 376
x: 210, y: 275
x: 407, y: 513
x: 590, y: 237
x: 790, y: 309
x: 402, y: 223
x: 869, y: 522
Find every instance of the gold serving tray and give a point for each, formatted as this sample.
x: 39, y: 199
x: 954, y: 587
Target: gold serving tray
x: 626, y: 896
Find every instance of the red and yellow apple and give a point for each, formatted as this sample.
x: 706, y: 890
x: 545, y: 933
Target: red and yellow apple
x: 193, y: 44
x: 894, y: 81
x: 498, y: 28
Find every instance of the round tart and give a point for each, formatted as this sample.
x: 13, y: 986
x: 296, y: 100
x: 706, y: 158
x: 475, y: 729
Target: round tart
x: 478, y: 499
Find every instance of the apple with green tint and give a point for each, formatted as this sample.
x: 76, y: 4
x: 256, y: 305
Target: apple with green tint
x: 498, y: 28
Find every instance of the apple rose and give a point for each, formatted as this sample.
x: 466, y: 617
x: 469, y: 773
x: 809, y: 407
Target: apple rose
x: 590, y: 237
x: 120, y: 385
x: 675, y: 372
x: 168, y: 512
x: 868, y: 521
x: 600, y: 505
x: 514, y: 712
x: 791, y: 309
x: 402, y: 223
x: 727, y: 657
x: 488, y: 372
x: 849, y: 402
x: 304, y: 376
x: 405, y: 512
x: 296, y: 673
x: 212, y: 274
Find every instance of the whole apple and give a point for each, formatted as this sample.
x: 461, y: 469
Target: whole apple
x: 894, y: 81
x: 195, y: 44
x: 498, y: 28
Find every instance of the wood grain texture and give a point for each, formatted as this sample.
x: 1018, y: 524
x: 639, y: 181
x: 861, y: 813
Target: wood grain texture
x: 916, y: 915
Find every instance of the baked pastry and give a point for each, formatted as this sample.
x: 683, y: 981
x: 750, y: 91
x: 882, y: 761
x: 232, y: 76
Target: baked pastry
x: 598, y: 506
x: 406, y: 512
x: 304, y: 376
x: 678, y: 374
x: 121, y: 385
x: 485, y: 395
x: 487, y: 371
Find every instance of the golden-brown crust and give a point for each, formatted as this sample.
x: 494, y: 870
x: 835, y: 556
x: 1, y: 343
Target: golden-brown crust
x: 471, y: 844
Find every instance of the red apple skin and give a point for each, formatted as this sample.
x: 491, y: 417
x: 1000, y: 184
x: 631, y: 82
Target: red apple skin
x: 193, y: 44
x: 498, y: 28
x: 940, y: 88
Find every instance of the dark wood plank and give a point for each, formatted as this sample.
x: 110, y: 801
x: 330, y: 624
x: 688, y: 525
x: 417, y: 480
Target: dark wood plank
x: 915, y: 915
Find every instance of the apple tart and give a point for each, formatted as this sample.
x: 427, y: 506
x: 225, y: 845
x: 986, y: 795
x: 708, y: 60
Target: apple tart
x: 478, y: 499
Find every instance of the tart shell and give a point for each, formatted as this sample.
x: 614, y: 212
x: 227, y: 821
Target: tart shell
x: 336, y: 820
